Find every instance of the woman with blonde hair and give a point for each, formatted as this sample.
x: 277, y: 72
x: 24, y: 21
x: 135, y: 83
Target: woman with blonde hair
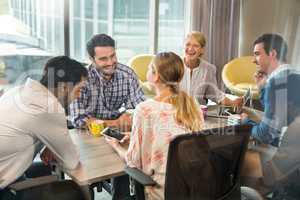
x: 199, y: 78
x: 157, y: 121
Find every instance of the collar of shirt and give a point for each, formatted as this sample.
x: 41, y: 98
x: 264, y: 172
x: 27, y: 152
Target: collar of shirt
x: 96, y: 75
x: 279, y: 69
x: 196, y: 69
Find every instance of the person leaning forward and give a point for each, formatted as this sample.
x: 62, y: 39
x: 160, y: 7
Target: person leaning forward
x: 33, y: 117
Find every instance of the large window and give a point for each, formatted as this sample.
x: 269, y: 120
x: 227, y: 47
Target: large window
x: 171, y: 25
x: 129, y: 23
x: 31, y: 32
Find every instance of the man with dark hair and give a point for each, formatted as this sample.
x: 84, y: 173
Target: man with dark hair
x: 277, y: 81
x: 33, y: 117
x: 110, y: 86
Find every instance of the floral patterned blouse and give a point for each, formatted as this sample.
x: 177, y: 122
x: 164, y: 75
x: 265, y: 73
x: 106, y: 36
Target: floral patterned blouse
x: 153, y: 128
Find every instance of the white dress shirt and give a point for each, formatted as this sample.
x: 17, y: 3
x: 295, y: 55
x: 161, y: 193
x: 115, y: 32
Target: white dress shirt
x: 31, y: 118
x: 201, y: 83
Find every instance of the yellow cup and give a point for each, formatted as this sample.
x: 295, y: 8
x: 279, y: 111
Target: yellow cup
x: 96, y: 127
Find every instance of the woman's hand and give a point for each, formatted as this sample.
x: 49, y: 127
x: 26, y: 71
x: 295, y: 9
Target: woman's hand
x: 112, y: 141
x: 116, y: 146
x: 126, y: 138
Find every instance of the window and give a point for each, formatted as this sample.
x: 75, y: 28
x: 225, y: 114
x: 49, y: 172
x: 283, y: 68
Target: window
x: 35, y: 30
x: 128, y: 22
x: 31, y: 33
x: 171, y: 23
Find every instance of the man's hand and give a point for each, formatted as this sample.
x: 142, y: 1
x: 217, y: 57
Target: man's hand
x: 244, y: 116
x: 90, y: 120
x: 260, y: 79
x: 47, y: 156
x: 124, y: 122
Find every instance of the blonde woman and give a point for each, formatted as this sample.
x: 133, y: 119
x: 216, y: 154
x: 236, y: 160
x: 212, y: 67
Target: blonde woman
x: 157, y: 121
x: 199, y: 78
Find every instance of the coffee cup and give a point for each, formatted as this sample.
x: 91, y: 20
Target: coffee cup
x: 96, y: 127
x: 204, y: 110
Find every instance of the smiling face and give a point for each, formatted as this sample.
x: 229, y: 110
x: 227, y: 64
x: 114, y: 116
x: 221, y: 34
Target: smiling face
x: 261, y: 58
x: 105, y: 60
x: 192, y: 49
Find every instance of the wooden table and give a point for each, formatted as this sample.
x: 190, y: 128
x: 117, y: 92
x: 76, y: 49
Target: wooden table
x: 98, y: 160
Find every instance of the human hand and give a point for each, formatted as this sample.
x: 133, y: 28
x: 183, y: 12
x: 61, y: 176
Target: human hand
x: 243, y: 116
x: 126, y: 138
x: 238, y: 102
x: 47, y: 156
x: 125, y: 122
x: 260, y: 79
x: 112, y: 141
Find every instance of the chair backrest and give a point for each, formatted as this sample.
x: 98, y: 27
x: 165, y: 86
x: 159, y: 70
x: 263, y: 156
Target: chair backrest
x: 207, y: 164
x: 239, y: 70
x: 238, y: 76
x: 139, y: 64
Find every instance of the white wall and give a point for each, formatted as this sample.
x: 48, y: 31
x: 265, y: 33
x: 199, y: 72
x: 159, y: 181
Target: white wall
x: 265, y: 16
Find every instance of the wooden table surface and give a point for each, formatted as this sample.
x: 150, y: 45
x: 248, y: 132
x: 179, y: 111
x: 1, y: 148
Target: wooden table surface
x: 98, y: 161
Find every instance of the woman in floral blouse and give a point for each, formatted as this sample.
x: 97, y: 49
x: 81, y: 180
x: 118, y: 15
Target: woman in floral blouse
x: 157, y: 121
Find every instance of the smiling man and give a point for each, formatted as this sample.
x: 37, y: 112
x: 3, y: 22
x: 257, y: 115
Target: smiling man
x: 110, y: 86
x: 279, y: 91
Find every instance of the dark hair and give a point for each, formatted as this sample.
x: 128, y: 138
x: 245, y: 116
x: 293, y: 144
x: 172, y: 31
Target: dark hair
x: 99, y: 40
x: 62, y: 69
x: 273, y: 41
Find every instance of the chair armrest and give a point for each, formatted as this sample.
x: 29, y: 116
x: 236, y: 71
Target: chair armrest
x: 33, y: 182
x: 250, y: 194
x: 139, y: 176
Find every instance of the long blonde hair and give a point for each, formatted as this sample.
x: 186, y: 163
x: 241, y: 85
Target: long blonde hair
x: 170, y: 69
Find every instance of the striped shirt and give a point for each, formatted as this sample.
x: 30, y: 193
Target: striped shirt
x: 102, y: 99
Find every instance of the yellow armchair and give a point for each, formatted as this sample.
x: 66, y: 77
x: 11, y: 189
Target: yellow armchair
x: 139, y: 64
x: 238, y: 76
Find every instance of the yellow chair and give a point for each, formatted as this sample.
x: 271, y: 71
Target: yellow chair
x: 139, y: 64
x: 238, y: 76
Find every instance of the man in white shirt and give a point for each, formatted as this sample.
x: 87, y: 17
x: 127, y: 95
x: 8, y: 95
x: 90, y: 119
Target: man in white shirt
x: 33, y: 116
